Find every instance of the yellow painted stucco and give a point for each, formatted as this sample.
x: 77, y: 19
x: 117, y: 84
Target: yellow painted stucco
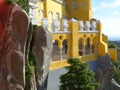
x: 113, y: 53
x: 63, y: 63
x: 102, y: 46
x: 82, y: 11
x: 73, y: 39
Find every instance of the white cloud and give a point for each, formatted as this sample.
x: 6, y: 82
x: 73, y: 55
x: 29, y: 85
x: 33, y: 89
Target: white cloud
x: 103, y: 4
x: 111, y: 26
x: 116, y: 3
x: 110, y: 19
x: 115, y: 13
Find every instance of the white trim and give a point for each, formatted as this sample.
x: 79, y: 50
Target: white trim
x: 88, y: 31
x: 61, y: 32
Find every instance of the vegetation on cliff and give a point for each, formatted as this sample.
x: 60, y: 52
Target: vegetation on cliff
x: 23, y: 3
x: 116, y: 71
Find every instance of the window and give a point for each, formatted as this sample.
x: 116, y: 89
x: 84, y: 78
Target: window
x: 41, y: 14
x: 57, y: 16
x: 50, y: 15
x: 81, y: 4
x: 74, y: 4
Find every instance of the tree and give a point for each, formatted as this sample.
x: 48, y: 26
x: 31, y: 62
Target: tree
x: 112, y: 45
x: 23, y: 3
x: 116, y: 71
x: 78, y: 77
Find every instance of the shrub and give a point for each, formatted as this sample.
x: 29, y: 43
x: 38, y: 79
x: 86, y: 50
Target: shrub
x: 112, y: 45
x: 116, y: 71
x: 78, y: 77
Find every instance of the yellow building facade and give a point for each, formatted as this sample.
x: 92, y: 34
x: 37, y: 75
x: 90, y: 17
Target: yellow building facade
x: 78, y: 20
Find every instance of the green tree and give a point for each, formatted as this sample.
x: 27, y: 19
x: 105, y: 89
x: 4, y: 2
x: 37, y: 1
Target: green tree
x: 112, y: 45
x: 78, y: 77
x: 116, y: 71
x: 23, y: 3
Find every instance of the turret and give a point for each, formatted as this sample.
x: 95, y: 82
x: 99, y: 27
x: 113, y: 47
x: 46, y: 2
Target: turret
x: 79, y: 9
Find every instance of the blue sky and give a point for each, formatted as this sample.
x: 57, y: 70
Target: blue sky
x: 108, y: 12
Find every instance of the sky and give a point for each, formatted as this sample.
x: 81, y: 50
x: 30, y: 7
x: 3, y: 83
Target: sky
x: 108, y: 12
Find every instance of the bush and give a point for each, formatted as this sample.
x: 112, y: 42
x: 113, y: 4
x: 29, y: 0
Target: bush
x: 29, y: 68
x: 112, y: 45
x: 116, y: 71
x: 23, y: 3
x: 78, y: 77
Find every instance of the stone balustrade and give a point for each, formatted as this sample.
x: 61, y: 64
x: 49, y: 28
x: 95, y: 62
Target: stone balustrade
x: 87, y: 27
x: 62, y: 27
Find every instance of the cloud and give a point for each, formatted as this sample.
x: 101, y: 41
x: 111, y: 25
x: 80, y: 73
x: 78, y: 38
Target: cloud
x: 103, y: 4
x: 116, y: 13
x: 108, y: 12
x: 111, y: 26
x: 114, y: 4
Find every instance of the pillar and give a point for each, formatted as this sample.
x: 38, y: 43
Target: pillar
x: 84, y: 44
x: 91, y: 48
x: 73, y: 27
x: 60, y: 48
x: 61, y: 53
x: 84, y: 49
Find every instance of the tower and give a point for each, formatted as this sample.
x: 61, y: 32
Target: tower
x: 80, y: 9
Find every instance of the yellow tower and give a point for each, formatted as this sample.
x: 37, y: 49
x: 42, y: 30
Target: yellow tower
x: 80, y: 9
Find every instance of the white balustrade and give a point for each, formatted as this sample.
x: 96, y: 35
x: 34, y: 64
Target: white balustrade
x: 65, y: 25
x: 45, y: 22
x: 56, y: 25
x: 81, y: 25
x: 87, y: 25
x: 93, y: 26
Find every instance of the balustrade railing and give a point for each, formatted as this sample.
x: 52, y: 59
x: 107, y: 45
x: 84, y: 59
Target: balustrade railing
x: 62, y: 27
x: 87, y: 27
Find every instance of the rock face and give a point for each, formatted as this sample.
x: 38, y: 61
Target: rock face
x: 42, y: 50
x: 104, y: 74
x: 14, y: 47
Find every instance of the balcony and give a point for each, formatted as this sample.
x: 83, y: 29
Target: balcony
x: 57, y: 27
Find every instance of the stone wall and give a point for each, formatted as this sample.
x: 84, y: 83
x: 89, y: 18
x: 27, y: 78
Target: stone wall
x: 53, y: 79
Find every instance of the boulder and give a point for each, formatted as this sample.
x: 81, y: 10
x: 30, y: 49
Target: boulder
x: 42, y: 50
x: 104, y: 74
x: 14, y: 47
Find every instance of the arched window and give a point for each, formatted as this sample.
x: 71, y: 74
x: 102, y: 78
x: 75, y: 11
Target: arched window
x: 50, y: 15
x: 41, y: 14
x: 74, y: 4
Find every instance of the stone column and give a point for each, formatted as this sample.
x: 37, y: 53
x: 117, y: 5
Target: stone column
x: 83, y: 49
x: 61, y: 53
x: 91, y: 49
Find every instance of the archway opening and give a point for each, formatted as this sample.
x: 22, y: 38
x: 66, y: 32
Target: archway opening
x: 56, y: 51
x: 65, y: 49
